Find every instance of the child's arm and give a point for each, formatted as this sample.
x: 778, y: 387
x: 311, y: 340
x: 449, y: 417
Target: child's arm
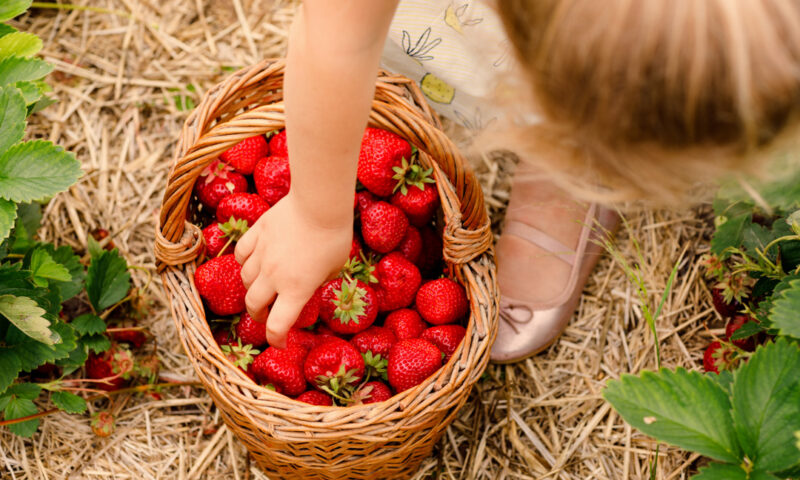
x: 334, y: 52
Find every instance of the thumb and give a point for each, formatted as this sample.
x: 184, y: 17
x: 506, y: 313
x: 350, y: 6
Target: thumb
x: 281, y: 317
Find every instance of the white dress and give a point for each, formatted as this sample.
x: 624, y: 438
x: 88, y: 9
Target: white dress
x: 456, y: 50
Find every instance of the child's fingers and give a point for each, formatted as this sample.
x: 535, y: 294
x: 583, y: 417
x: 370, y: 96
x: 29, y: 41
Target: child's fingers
x: 281, y: 318
x: 259, y: 296
x: 245, y: 246
x: 250, y: 270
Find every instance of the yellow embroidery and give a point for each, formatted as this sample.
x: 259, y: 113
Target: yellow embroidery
x: 437, y: 89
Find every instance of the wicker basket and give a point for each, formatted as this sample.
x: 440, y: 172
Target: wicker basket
x: 287, y: 438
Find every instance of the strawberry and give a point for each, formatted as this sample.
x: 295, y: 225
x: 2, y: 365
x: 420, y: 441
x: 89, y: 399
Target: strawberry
x: 447, y: 338
x: 334, y: 367
x: 251, y: 332
x: 219, y: 282
x: 411, y: 245
x: 747, y: 344
x: 442, y: 301
x: 310, y: 312
x: 244, y: 155
x: 219, y: 236
x: 411, y: 361
x: 355, y: 248
x: 725, y: 308
x: 398, y: 282
x: 103, y: 424
x: 381, y: 152
x: 378, y: 340
x: 242, y: 206
x: 240, y: 355
x: 405, y: 323
x: 272, y: 178
x: 415, y: 193
x: 300, y: 337
x: 216, y: 169
x: 281, y: 368
x: 430, y: 258
x: 315, y: 397
x: 324, y: 333
x: 383, y: 227
x: 135, y: 338
x: 224, y: 336
x: 115, y: 365
x: 278, y: 146
x: 372, y: 392
x: 718, y: 356
x: 220, y: 187
x: 348, y: 306
x: 364, y: 200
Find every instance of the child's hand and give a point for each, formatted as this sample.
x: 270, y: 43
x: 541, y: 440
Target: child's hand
x: 285, y: 256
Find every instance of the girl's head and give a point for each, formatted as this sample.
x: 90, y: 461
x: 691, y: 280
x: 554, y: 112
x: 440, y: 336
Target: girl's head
x: 655, y: 95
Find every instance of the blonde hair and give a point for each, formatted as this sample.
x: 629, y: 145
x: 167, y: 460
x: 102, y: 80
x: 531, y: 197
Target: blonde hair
x: 643, y: 98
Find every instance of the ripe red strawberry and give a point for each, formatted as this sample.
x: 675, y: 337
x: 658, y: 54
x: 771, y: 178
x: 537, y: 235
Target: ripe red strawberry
x: 334, y: 366
x: 220, y: 187
x: 405, y: 323
x: 355, y: 248
x: 348, y: 306
x: 310, y: 312
x: 447, y: 338
x: 251, y: 332
x: 224, y: 336
x: 324, y: 333
x: 411, y: 245
x: 219, y: 282
x: 430, y: 260
x: 135, y: 338
x: 373, y: 392
x: 217, y: 168
x: 398, y: 282
x: 415, y: 193
x: 722, y: 306
x: 411, y: 361
x: 300, y: 337
x: 241, y: 206
x: 747, y: 344
x: 383, y: 227
x: 272, y: 178
x: 240, y: 355
x: 364, y: 200
x: 442, y: 301
x: 378, y: 340
x: 381, y: 152
x: 315, y: 397
x: 277, y: 144
x: 281, y: 368
x: 718, y: 357
x: 115, y: 365
x: 244, y: 155
x: 221, y: 236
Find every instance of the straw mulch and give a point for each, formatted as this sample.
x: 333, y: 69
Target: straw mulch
x: 120, y: 81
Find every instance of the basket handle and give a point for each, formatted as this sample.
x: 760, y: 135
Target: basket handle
x: 179, y: 241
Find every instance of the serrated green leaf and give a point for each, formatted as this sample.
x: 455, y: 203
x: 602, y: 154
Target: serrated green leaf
x: 20, y: 69
x: 27, y: 390
x: 766, y: 405
x: 5, y: 30
x: 97, y: 343
x: 44, y: 268
x: 69, y: 402
x: 27, y: 316
x: 89, y: 324
x: 665, y: 405
x: 11, y: 8
x: 9, y: 367
x: 31, y: 92
x: 29, y: 218
x: 19, y: 44
x: 721, y: 471
x: 724, y: 379
x: 747, y: 330
x: 33, y: 354
x: 41, y: 104
x: 12, y: 116
x: 75, y: 360
x: 729, y: 234
x: 785, y: 312
x: 66, y: 257
x: 8, y: 213
x: 95, y: 250
x: 107, y: 280
x: 33, y: 171
x: 756, y: 236
x: 18, y: 408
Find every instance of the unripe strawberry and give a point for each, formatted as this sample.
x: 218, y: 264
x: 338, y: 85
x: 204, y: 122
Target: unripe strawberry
x: 219, y: 282
x: 244, y: 155
x: 383, y: 227
x: 442, y: 301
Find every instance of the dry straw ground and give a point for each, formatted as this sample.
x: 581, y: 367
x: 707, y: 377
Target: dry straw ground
x: 119, y: 71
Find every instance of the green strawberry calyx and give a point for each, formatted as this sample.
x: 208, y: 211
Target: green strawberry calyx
x: 233, y: 229
x: 363, y: 269
x: 375, y: 365
x: 240, y: 355
x: 339, y: 385
x: 349, y: 301
x: 411, y: 175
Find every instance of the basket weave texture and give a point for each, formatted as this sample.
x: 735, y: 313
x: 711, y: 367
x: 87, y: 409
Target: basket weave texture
x: 287, y: 438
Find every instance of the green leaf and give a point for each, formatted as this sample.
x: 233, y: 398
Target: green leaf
x: 107, y: 280
x: 29, y: 218
x: 9, y: 367
x: 766, y: 405
x: 27, y: 316
x: 721, y: 471
x: 20, y: 69
x: 30, y: 391
x: 97, y: 343
x: 65, y: 256
x: 747, y: 330
x: 12, y: 116
x: 18, y: 408
x: 89, y: 324
x: 11, y: 8
x: 724, y: 379
x: 33, y: 354
x: 69, y: 402
x: 31, y: 91
x: 683, y: 408
x: 729, y: 234
x: 19, y: 44
x: 756, y: 236
x: 785, y: 312
x: 36, y: 170
x: 44, y: 268
x: 8, y: 213
x: 5, y: 30
x: 41, y: 104
x: 95, y: 250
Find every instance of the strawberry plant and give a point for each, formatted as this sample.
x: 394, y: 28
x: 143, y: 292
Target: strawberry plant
x: 744, y: 412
